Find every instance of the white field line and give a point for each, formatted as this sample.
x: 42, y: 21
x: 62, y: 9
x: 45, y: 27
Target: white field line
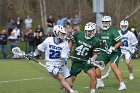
x: 26, y: 79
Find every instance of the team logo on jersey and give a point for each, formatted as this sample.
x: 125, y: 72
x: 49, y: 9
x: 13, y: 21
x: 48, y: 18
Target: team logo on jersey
x: 55, y: 47
x: 104, y: 37
x: 85, y: 44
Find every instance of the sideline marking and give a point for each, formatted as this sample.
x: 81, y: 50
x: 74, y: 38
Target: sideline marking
x: 26, y: 79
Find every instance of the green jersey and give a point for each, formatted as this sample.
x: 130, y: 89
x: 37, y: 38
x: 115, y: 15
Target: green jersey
x: 109, y: 38
x: 83, y: 48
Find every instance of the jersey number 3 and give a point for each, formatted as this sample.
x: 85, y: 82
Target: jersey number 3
x: 81, y: 50
x: 125, y: 43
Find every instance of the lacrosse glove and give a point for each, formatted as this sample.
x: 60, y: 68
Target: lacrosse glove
x: 30, y: 56
x: 89, y: 61
x: 110, y: 50
x: 133, y: 50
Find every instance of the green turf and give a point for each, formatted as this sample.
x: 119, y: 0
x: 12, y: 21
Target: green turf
x: 22, y: 76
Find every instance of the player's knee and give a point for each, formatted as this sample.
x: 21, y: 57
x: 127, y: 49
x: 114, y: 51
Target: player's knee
x: 127, y: 62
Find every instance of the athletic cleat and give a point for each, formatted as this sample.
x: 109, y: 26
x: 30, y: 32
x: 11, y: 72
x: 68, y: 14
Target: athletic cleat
x: 131, y: 77
x: 122, y: 87
x: 74, y: 92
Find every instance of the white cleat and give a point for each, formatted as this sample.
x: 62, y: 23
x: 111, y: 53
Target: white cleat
x: 104, y: 76
x: 122, y: 87
x: 131, y: 77
x: 74, y: 92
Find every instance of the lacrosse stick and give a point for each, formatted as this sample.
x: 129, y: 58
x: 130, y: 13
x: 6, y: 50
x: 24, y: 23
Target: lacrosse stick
x: 100, y: 49
x: 17, y: 51
x: 99, y: 64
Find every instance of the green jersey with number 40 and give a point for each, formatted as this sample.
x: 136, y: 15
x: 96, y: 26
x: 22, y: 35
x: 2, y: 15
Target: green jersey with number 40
x: 109, y: 37
x: 83, y: 48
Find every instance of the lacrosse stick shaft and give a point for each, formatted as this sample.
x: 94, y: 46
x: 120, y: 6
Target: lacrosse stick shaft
x: 102, y: 50
x: 78, y: 58
x: 39, y: 63
x: 93, y: 63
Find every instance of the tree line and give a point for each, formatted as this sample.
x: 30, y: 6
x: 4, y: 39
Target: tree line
x: 39, y: 9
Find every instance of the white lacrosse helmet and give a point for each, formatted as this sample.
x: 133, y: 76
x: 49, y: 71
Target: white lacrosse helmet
x: 90, y: 30
x: 59, y: 32
x: 106, y: 22
x: 124, y: 25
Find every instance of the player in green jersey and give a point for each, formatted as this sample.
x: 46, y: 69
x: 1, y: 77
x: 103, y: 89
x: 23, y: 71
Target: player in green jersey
x: 111, y: 41
x: 83, y: 45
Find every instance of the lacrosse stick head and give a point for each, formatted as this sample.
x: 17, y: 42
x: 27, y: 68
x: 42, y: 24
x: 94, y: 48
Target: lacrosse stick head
x: 17, y: 51
x: 99, y: 64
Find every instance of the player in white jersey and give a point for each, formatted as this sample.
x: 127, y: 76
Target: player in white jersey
x: 56, y: 52
x: 128, y: 47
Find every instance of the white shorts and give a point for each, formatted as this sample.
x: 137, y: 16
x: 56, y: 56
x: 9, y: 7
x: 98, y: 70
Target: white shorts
x: 126, y: 54
x: 54, y: 67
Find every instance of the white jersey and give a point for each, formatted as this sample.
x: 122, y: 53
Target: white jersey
x: 129, y: 40
x: 54, y: 52
x: 55, y: 55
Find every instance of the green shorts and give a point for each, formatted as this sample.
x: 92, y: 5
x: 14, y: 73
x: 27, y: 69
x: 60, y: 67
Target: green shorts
x: 77, y: 67
x: 112, y: 58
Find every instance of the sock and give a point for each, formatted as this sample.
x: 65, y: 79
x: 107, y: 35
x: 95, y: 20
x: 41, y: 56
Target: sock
x: 122, y: 83
x: 131, y: 74
x: 71, y: 90
x: 92, y: 91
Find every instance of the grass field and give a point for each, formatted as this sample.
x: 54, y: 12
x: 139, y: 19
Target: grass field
x: 22, y: 76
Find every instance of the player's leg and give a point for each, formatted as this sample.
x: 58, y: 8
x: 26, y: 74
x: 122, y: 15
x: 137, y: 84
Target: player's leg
x: 64, y: 83
x: 93, y: 82
x: 66, y: 74
x: 76, y: 68
x: 109, y: 70
x: 100, y: 83
x: 89, y: 69
x: 114, y: 65
x: 102, y: 57
x: 129, y: 65
x: 55, y: 71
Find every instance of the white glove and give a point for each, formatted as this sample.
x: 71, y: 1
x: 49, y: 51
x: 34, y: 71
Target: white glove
x: 133, y: 50
x: 90, y: 60
x: 110, y: 50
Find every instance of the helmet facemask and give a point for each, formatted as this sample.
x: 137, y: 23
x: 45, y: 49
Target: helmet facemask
x: 106, y: 25
x: 106, y: 22
x: 59, y: 32
x: 89, y: 34
x: 90, y: 30
x: 124, y: 25
x: 61, y: 36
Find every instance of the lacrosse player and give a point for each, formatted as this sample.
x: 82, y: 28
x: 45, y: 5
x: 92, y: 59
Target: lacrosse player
x: 111, y: 41
x: 56, y: 51
x: 83, y: 44
x: 128, y: 47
